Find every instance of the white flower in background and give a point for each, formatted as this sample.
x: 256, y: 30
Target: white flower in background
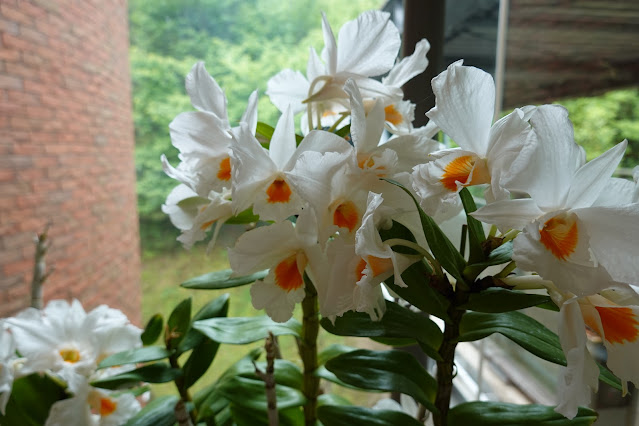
x: 568, y: 239
x: 285, y: 249
x: 64, y: 339
x: 614, y: 316
x: 8, y: 359
x: 366, y: 47
x: 203, y: 137
x: 397, y: 155
x: 195, y: 216
x: 93, y: 407
x: 488, y: 153
x: 260, y: 176
x: 336, y: 190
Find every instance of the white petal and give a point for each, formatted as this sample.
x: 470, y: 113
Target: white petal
x: 368, y: 45
x: 581, y: 375
x: 329, y: 54
x: 409, y: 66
x: 205, y: 93
x: 509, y: 214
x: 593, y: 176
x: 277, y: 303
x: 250, y: 114
x: 465, y: 99
x: 616, y: 192
x: 283, y: 141
x: 550, y: 173
x: 288, y: 87
x: 613, y: 239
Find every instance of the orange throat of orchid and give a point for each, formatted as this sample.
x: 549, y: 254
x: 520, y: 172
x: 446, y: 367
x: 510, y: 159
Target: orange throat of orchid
x: 392, y: 115
x: 288, y: 275
x: 278, y: 192
x: 460, y: 170
x: 377, y: 266
x: 619, y: 324
x: 224, y: 170
x: 560, y: 235
x: 346, y: 216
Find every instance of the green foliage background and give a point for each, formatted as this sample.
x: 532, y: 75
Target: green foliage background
x: 244, y: 44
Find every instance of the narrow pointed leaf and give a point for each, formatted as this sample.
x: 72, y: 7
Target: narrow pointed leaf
x: 31, y: 399
x: 500, y: 255
x: 391, y: 371
x: 527, y: 333
x: 158, y: 372
x: 240, y: 331
x: 495, y: 300
x: 443, y: 250
x: 178, y: 324
x: 153, y: 330
x: 521, y: 329
x: 419, y: 293
x: 134, y: 356
x: 199, y: 361
x: 218, y: 307
x: 360, y: 416
x: 221, y: 279
x: 249, y: 393
x: 503, y: 414
x: 397, y: 322
x: 159, y: 412
x: 476, y: 234
x: 332, y: 351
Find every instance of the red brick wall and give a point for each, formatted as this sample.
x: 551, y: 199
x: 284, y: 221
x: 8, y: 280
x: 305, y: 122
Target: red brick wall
x: 66, y: 152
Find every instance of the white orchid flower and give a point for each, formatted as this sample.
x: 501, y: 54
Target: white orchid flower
x: 366, y: 47
x: 285, y: 249
x: 488, y: 153
x: 203, y: 137
x: 568, y: 239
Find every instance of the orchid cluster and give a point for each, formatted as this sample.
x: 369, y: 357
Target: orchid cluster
x: 355, y: 202
x: 64, y: 345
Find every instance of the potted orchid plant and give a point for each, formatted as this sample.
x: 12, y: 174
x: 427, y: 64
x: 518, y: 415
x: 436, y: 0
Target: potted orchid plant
x: 346, y: 220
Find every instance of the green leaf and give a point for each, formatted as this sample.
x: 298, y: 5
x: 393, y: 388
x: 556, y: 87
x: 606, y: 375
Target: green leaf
x: 496, y: 300
x: 332, y: 399
x: 419, y: 293
x: 443, y: 250
x: 527, y: 333
x: 266, y: 132
x: 476, y: 234
x: 242, y: 218
x: 159, y: 412
x: 521, y: 329
x: 152, y: 330
x: 250, y: 393
x: 218, y: 307
x: 178, y: 324
x: 335, y: 415
x: 500, y: 255
x: 222, y: 279
x: 240, y: 331
x: 397, y: 322
x: 503, y: 414
x: 158, y: 372
x: 199, y: 361
x: 344, y: 131
x: 332, y: 351
x: 31, y: 399
x: 134, y: 356
x: 391, y: 371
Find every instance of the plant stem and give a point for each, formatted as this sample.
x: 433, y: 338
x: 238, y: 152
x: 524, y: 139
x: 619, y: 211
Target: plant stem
x: 185, y: 397
x: 445, y: 366
x: 308, y: 352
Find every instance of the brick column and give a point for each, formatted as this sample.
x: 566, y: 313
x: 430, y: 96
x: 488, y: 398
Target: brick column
x: 66, y: 152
